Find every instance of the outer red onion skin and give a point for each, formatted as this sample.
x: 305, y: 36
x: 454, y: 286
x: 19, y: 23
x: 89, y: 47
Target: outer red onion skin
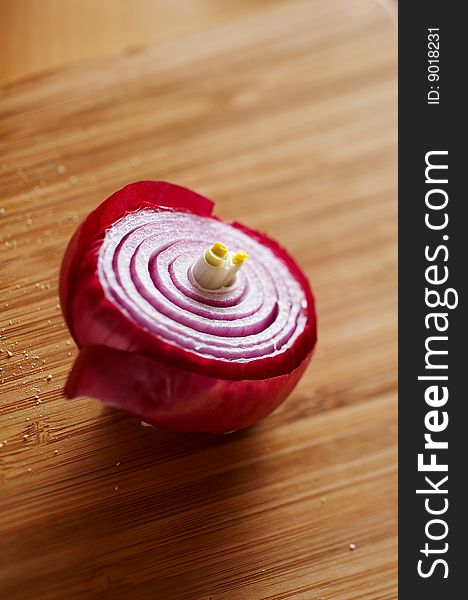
x: 125, y: 366
x: 173, y: 397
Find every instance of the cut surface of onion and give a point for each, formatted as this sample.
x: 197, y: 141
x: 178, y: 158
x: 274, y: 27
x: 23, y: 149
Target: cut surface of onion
x: 154, y: 341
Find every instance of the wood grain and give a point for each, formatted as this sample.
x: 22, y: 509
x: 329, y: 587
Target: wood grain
x: 287, y: 119
x: 37, y: 35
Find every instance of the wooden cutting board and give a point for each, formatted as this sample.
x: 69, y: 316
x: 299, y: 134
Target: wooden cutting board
x: 286, y: 119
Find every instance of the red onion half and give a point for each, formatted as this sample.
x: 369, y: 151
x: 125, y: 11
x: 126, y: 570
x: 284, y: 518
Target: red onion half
x: 156, y: 344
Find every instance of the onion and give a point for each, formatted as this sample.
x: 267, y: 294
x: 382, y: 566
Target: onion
x: 154, y: 342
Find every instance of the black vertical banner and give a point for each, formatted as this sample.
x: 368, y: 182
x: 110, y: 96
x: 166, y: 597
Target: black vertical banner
x: 433, y: 274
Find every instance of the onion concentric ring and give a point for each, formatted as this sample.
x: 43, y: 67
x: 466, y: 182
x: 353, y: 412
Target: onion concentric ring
x: 144, y: 267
